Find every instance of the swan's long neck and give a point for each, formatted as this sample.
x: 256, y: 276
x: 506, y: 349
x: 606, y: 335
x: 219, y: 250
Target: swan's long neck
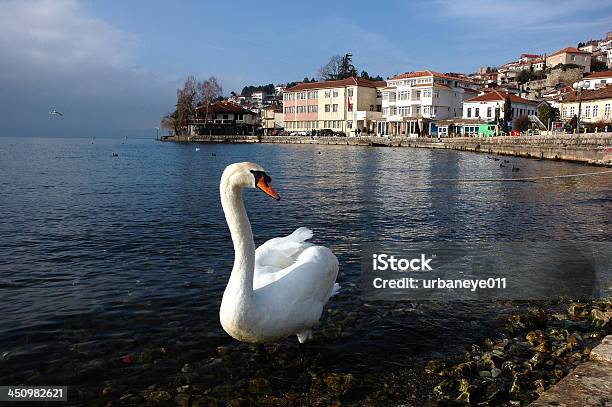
x: 241, y: 280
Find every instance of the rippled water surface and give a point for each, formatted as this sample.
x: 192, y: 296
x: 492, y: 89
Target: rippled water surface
x: 102, y: 256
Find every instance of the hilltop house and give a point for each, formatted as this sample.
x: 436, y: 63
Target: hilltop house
x: 598, y: 79
x: 570, y: 55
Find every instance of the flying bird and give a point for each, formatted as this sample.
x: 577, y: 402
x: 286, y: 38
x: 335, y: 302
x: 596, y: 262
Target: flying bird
x: 55, y: 113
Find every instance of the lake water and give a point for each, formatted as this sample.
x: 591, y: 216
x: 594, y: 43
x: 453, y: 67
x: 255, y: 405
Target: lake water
x: 105, y: 256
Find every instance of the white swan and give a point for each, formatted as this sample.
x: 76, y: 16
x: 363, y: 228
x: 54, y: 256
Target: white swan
x: 279, y: 289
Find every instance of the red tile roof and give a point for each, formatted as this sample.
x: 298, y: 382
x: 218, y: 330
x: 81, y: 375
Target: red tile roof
x: 602, y: 74
x: 225, y: 107
x: 570, y: 50
x: 601, y: 93
x: 499, y: 95
x: 530, y: 56
x: 335, y: 84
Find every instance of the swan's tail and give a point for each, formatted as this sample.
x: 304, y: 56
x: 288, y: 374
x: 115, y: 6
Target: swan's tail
x: 335, y: 289
x: 300, y: 234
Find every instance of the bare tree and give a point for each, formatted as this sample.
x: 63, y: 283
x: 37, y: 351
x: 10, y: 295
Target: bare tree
x: 332, y: 69
x: 170, y: 122
x: 207, y: 92
x: 186, y: 102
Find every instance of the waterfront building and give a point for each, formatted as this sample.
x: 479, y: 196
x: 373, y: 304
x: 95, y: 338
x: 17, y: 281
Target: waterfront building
x: 272, y: 119
x: 595, y: 105
x: 222, y: 118
x: 490, y: 106
x: 413, y: 101
x: 570, y: 55
x: 341, y: 106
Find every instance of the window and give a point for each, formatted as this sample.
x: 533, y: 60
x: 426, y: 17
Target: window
x: 378, y: 94
x: 595, y: 110
x: 241, y: 116
x: 565, y: 112
x: 327, y: 93
x: 402, y: 95
x: 327, y: 108
x: 469, y: 112
x: 436, y: 94
x: 312, y: 109
x: 335, y: 107
x: 335, y: 93
x: 607, y: 110
x: 349, y: 124
x: 477, y: 112
x: 351, y: 107
x: 350, y: 91
x: 371, y: 108
x: 573, y: 57
x: 572, y: 111
x: 489, y: 111
x: 427, y: 93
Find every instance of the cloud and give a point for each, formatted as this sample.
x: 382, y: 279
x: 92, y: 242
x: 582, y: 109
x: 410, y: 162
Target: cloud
x: 54, y: 55
x: 527, y: 12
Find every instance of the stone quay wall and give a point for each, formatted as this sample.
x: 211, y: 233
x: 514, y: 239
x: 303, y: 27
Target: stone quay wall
x: 591, y: 148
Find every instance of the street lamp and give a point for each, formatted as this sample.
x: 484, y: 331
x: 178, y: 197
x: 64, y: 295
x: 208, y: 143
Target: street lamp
x: 579, y: 87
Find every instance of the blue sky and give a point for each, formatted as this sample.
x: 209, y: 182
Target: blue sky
x: 113, y: 66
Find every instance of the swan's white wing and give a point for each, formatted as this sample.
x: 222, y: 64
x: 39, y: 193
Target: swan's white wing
x: 294, y: 299
x: 281, y: 252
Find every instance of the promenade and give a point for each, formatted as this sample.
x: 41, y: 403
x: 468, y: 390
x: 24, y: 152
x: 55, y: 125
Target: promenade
x: 588, y: 148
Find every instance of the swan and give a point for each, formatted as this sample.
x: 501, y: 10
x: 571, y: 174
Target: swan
x: 279, y: 289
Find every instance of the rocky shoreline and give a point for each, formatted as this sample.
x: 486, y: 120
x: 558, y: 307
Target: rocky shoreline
x: 540, y: 344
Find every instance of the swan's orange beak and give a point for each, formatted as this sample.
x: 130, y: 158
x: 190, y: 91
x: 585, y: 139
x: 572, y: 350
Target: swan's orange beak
x: 267, y: 188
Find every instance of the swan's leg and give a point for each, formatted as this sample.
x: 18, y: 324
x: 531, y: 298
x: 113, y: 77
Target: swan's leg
x: 261, y: 356
x: 302, y: 338
x: 302, y: 347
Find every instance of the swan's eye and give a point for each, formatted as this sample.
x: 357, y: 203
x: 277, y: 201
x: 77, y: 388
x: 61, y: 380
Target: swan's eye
x: 262, y: 182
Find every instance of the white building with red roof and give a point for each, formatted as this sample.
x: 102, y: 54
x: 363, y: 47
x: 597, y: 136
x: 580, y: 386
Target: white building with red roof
x: 413, y: 101
x: 490, y: 106
x: 598, y: 79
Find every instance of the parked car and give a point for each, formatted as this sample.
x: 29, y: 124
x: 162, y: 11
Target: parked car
x: 326, y: 132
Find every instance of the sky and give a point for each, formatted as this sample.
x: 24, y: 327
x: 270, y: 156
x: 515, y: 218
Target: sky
x: 112, y: 67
